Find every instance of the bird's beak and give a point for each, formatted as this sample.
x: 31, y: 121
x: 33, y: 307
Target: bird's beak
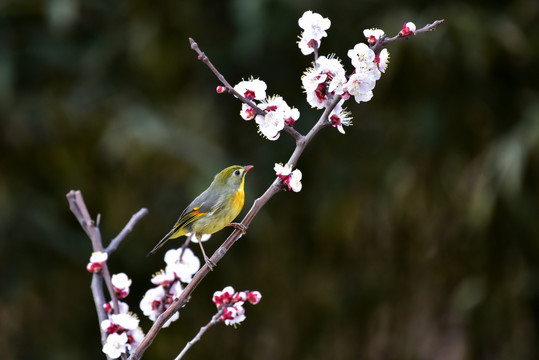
x: 248, y: 167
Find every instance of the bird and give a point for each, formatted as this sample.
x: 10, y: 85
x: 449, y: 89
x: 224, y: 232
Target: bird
x: 213, y: 209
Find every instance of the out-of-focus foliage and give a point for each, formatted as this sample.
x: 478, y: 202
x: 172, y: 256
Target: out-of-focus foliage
x: 416, y: 234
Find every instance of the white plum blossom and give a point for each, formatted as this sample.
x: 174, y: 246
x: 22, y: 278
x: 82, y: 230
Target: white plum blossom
x: 252, y: 89
x: 314, y: 24
x: 163, y: 278
x: 306, y: 46
x: 373, y: 35
x: 290, y: 115
x: 363, y: 60
x: 360, y: 86
x: 247, y: 112
x: 314, y: 85
x: 326, y: 79
x: 158, y: 299
x: 339, y: 117
x: 152, y: 303
x: 291, y: 178
x: 270, y: 125
x: 382, y: 60
x: 278, y: 113
x: 294, y: 181
x: 121, y: 281
x: 182, y: 263
x: 120, y: 322
x: 283, y: 170
x: 121, y: 284
x: 361, y: 53
x: 137, y: 335
x: 126, y: 321
x: 314, y: 29
x: 115, y: 345
x: 99, y: 256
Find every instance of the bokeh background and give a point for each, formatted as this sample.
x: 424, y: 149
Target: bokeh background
x: 416, y: 234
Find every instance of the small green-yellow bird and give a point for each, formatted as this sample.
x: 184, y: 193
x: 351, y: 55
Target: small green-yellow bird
x: 212, y: 210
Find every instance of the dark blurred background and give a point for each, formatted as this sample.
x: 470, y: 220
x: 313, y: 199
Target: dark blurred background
x: 416, y: 234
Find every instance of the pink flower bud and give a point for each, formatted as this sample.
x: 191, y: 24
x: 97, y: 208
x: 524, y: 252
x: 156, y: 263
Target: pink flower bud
x: 109, y: 327
x: 247, y: 112
x: 240, y: 296
x: 407, y: 29
x: 94, y: 267
x: 107, y: 307
x: 373, y: 35
x: 254, y: 297
x: 290, y: 121
x: 228, y: 314
x: 220, y: 89
x: 224, y: 297
x: 217, y: 300
x: 97, y: 260
x: 122, y: 293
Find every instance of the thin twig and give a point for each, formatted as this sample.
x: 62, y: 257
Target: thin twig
x: 113, y: 295
x: 126, y: 230
x: 186, y: 244
x: 295, y: 134
x: 315, y: 48
x: 99, y: 299
x: 384, y: 41
x: 230, y: 89
x: 78, y: 207
x: 214, y: 320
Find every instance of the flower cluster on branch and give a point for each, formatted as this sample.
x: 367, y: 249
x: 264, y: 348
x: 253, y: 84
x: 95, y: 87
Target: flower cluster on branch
x: 181, y: 265
x: 231, y: 304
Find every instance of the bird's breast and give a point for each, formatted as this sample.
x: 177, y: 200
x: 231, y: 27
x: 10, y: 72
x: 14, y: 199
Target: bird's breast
x: 237, y: 200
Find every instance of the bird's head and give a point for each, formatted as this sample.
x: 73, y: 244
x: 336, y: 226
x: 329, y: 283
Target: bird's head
x: 232, y: 176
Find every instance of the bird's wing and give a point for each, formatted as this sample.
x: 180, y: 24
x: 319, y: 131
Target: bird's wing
x: 187, y: 217
x: 204, y: 204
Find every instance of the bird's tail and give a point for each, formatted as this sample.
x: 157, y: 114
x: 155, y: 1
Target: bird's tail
x: 161, y: 243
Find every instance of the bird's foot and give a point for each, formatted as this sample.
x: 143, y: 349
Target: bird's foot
x: 239, y: 226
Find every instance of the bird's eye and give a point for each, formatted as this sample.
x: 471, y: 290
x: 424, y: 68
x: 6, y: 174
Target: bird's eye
x: 237, y: 173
